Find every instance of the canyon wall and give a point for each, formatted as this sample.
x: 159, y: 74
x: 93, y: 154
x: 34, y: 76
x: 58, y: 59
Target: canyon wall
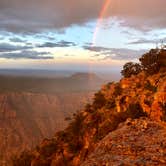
x: 27, y: 118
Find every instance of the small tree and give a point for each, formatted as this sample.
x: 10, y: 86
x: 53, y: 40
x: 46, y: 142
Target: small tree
x: 131, y: 68
x: 153, y: 61
x: 99, y: 100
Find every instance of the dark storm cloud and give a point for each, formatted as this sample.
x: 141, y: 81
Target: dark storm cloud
x: 37, y: 15
x: 57, y: 44
x: 6, y: 47
x: 26, y: 55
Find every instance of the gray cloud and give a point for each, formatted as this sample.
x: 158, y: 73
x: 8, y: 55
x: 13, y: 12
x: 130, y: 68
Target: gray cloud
x: 38, y: 15
x: 26, y: 55
x: 17, y: 40
x: 123, y: 54
x: 45, y: 36
x: 57, y: 44
x: 6, y: 47
x: 115, y: 53
x: 147, y: 41
x: 95, y: 48
x: 140, y: 14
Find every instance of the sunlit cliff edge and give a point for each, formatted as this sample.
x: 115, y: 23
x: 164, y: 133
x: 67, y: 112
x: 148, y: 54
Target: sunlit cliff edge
x: 124, y: 125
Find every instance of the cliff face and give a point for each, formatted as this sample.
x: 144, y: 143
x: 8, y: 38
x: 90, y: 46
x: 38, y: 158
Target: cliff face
x: 148, y: 91
x: 27, y: 118
x: 92, y: 139
x: 124, y: 125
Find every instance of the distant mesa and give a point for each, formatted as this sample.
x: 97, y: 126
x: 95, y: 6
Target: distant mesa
x: 85, y: 76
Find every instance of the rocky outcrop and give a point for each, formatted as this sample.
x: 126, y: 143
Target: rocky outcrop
x: 92, y: 139
x: 149, y: 92
x: 27, y: 118
x: 135, y: 142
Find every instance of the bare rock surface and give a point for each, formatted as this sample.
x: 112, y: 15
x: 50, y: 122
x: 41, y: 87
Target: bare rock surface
x: 135, y: 142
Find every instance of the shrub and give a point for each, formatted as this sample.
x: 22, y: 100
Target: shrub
x: 130, y: 69
x: 109, y: 84
x: 110, y: 104
x: 122, y: 100
x: 135, y: 111
x: 75, y: 133
x: 150, y: 87
x: 76, y: 125
x: 153, y: 61
x: 75, y: 146
x: 118, y: 90
x: 147, y: 102
x: 48, y: 149
x: 99, y: 100
x: 88, y: 108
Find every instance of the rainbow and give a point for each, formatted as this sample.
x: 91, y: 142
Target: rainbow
x: 100, y: 19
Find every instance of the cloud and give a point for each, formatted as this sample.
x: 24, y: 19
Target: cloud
x: 123, y: 54
x: 140, y: 14
x: 57, y: 44
x: 27, y: 55
x: 6, y: 47
x: 68, y: 55
x: 147, y: 41
x: 95, y: 48
x: 17, y: 40
x: 115, y: 53
x: 38, y: 15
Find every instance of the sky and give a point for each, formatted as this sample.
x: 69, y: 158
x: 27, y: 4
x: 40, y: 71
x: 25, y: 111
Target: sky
x: 77, y: 34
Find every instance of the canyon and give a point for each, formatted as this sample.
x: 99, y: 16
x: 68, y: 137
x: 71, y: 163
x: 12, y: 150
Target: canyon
x: 33, y: 108
x: 125, y: 124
